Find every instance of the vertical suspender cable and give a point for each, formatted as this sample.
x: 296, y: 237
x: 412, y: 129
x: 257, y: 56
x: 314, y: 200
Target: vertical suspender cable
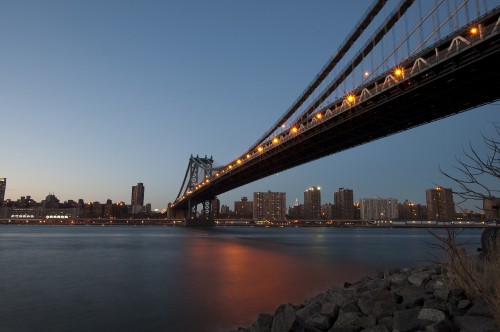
x: 467, y: 20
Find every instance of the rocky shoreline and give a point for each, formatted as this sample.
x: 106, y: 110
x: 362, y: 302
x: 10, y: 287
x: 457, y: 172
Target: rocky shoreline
x: 417, y: 299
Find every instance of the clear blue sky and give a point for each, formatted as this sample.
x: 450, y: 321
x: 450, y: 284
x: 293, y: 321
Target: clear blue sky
x: 96, y: 96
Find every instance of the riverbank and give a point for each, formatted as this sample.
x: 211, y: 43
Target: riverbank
x: 417, y: 299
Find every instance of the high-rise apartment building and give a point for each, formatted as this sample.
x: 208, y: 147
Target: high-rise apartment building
x: 3, y: 186
x: 440, y: 203
x: 378, y: 208
x: 269, y: 206
x: 215, y: 207
x: 243, y: 209
x: 137, y: 195
x: 343, y: 204
x: 312, y: 203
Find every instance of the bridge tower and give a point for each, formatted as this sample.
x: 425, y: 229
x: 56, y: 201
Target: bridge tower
x: 198, y: 173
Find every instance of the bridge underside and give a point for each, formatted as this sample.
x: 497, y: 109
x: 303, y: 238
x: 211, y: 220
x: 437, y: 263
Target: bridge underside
x: 463, y: 82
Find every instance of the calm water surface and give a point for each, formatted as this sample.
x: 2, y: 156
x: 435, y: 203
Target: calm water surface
x: 86, y: 278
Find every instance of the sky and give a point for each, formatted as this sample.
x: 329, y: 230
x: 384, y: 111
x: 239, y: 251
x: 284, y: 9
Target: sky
x: 96, y: 96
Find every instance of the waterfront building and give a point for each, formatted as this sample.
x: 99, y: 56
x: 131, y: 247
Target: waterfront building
x: 137, y: 195
x: 3, y: 186
x: 107, y: 210
x: 96, y: 210
x: 243, y: 209
x: 120, y: 210
x: 343, y: 201
x: 357, y: 211
x: 51, y: 201
x: 440, y: 204
x: 215, y: 207
x: 296, y: 211
x: 327, y: 211
x: 269, y: 206
x: 378, y: 208
x: 312, y: 203
x: 490, y: 207
x: 224, y: 211
x: 410, y: 211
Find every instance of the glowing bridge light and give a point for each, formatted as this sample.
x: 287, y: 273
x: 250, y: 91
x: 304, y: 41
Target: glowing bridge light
x: 350, y: 98
x: 295, y: 130
x: 217, y: 174
x: 239, y: 161
x: 474, y: 30
x: 275, y: 140
x: 366, y: 74
x: 398, y: 72
x: 248, y: 155
x: 260, y: 149
x: 319, y: 116
x: 230, y: 166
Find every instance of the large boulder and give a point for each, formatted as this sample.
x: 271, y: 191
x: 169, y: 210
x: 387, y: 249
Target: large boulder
x: 490, y: 242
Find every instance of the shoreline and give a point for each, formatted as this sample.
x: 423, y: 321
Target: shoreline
x: 408, y: 299
x: 145, y: 222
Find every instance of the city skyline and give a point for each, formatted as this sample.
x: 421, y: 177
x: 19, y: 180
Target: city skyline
x: 310, y: 195
x: 208, y: 81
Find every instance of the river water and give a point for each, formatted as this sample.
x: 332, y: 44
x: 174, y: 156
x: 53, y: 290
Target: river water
x: 125, y: 278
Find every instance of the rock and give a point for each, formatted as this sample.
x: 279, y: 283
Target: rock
x: 418, y: 279
x: 382, y: 296
x: 431, y: 314
x: 331, y: 310
x: 366, y: 305
x: 413, y: 295
x: 435, y: 304
x: 344, y: 329
x: 406, y: 320
x: 338, y: 296
x: 464, y: 304
x: 442, y: 293
x: 263, y: 324
x: 319, y: 322
x: 376, y: 284
x: 387, y: 322
x: 309, y: 310
x: 439, y: 284
x: 398, y: 278
x: 368, y: 321
x: 348, y: 307
x: 284, y: 318
x: 481, y: 308
x: 349, y: 319
x: 385, y: 309
x: 441, y: 326
x: 377, y: 328
x: 475, y: 324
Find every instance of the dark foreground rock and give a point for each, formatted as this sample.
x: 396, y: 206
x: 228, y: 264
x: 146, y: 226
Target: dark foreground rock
x: 418, y: 299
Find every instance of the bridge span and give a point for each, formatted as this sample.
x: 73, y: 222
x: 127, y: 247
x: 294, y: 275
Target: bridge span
x: 455, y: 74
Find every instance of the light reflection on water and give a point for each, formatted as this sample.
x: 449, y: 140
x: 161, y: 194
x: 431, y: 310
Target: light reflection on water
x: 173, y: 279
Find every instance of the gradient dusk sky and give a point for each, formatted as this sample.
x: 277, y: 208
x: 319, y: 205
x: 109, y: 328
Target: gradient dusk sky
x: 96, y: 96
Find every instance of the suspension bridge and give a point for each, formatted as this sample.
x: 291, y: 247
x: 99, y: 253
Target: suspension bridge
x: 424, y: 61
